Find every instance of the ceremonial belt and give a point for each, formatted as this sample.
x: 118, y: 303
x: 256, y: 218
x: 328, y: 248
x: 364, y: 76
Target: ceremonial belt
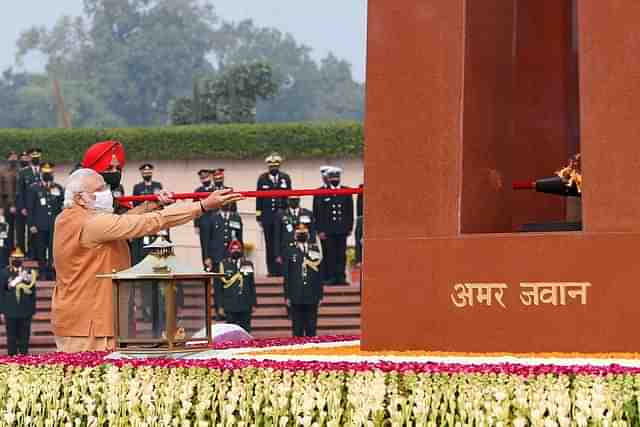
x: 25, y: 288
x: 233, y: 280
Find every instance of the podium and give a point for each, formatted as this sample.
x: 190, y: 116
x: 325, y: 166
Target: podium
x: 463, y: 98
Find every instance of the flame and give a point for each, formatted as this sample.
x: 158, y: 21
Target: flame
x: 572, y: 173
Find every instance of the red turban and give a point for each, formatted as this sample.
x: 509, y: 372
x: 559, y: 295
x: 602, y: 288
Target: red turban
x: 100, y: 155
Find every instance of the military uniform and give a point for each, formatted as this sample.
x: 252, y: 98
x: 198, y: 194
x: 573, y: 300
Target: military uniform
x: 287, y: 222
x: 225, y: 227
x: 236, y: 291
x: 27, y: 176
x: 218, y: 184
x: 334, y: 218
x: 359, y: 233
x: 267, y: 210
x: 137, y: 245
x: 18, y: 302
x: 203, y: 225
x: 303, y: 286
x: 5, y: 245
x: 44, y: 205
x: 8, y: 189
x: 119, y: 208
x: 316, y: 202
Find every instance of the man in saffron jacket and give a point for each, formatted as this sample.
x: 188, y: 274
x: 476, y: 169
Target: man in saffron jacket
x: 91, y: 240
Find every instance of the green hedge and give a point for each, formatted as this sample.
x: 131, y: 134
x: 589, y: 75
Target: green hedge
x: 241, y: 141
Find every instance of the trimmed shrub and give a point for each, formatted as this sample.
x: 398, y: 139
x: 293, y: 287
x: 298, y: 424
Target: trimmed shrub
x: 233, y: 141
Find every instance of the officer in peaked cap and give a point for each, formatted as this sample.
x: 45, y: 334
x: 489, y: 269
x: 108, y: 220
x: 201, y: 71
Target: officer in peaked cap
x: 203, y: 224
x: 27, y: 176
x: 303, y: 287
x: 334, y: 222
x: 18, y: 302
x: 146, y: 187
x: 267, y: 209
x: 46, y: 198
x: 8, y: 185
x: 316, y: 200
x: 218, y: 184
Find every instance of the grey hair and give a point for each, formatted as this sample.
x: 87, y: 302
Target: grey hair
x: 76, y: 183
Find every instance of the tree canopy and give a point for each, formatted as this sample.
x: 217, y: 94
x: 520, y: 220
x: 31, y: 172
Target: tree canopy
x: 126, y: 62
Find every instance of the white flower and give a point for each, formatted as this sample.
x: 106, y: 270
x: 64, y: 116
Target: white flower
x: 519, y: 422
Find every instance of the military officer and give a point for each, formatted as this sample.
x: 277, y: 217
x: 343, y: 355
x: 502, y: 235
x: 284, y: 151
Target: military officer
x: 235, y: 292
x: 18, y: 301
x: 108, y: 159
x: 334, y: 222
x: 147, y: 187
x: 267, y: 209
x: 5, y: 247
x: 287, y: 221
x: 359, y: 225
x: 27, y: 176
x: 203, y: 224
x: 45, y: 202
x: 302, y: 282
x: 218, y: 184
x: 226, y: 226
x: 8, y: 185
x: 316, y: 201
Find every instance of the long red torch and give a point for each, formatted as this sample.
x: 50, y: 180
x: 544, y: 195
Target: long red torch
x: 271, y: 194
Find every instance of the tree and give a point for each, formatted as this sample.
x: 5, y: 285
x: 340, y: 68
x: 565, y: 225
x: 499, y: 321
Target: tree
x: 136, y: 54
x: 340, y: 97
x: 132, y: 58
x: 306, y: 88
x: 228, y: 97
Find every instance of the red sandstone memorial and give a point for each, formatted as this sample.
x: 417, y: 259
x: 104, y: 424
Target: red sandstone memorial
x: 464, y: 98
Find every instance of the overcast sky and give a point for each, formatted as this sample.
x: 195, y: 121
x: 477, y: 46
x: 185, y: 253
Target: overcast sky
x: 326, y: 25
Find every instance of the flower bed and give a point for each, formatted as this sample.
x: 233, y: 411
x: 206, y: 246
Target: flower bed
x: 88, y: 389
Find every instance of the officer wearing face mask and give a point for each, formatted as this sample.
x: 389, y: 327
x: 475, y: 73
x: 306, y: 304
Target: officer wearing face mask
x: 18, y: 301
x: 108, y: 159
x: 235, y: 291
x: 28, y: 175
x: 302, y: 282
x: 267, y: 209
x: 45, y: 204
x: 203, y: 224
x: 8, y: 186
x: 288, y: 221
x: 359, y: 234
x: 316, y: 202
x: 147, y: 187
x: 334, y: 222
x: 226, y: 226
x: 218, y: 184
x: 91, y: 240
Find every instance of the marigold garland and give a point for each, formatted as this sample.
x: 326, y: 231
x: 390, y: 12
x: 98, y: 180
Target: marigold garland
x: 355, y: 350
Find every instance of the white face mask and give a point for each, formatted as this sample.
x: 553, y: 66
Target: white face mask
x: 103, y: 202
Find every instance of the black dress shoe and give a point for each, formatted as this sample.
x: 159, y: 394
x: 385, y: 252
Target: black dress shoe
x: 328, y: 282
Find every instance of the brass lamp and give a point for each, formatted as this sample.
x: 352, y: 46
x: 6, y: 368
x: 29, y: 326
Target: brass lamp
x: 160, y: 304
